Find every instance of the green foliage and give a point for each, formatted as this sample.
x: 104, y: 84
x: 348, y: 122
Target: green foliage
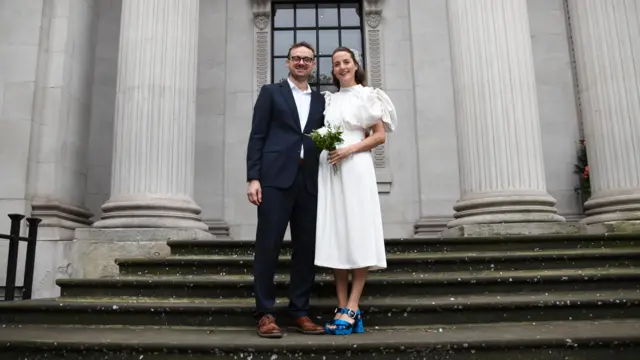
x: 581, y: 168
x: 328, y: 138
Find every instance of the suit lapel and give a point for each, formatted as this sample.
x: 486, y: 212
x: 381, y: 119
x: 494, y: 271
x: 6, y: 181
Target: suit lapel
x: 315, y: 110
x: 288, y: 97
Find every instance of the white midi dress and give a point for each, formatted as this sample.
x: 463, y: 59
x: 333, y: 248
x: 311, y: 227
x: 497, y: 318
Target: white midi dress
x: 349, y: 232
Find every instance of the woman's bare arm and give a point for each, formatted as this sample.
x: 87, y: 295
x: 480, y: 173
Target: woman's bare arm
x: 378, y: 137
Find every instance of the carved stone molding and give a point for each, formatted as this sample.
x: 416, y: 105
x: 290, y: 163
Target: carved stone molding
x: 219, y: 228
x: 431, y: 226
x: 261, y: 20
x: 373, y: 19
x: 374, y: 65
x: 59, y: 221
x: 373, y: 13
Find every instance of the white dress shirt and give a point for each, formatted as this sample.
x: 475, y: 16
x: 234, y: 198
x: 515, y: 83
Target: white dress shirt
x: 303, y: 103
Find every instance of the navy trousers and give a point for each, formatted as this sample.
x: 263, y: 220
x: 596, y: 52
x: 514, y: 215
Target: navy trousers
x: 298, y: 207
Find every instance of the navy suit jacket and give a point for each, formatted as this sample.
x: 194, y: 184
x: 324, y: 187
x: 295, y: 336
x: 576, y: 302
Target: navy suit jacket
x: 276, y: 138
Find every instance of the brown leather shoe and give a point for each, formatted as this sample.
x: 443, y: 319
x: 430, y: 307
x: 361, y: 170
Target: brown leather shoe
x: 267, y: 328
x: 304, y: 325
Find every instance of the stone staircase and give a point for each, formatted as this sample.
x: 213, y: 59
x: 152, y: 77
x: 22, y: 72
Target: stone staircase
x: 517, y: 297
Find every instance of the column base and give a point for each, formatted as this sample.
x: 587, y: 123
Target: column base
x: 94, y: 250
x: 612, y: 209
x: 430, y: 226
x: 512, y: 229
x: 505, y: 207
x: 163, y: 212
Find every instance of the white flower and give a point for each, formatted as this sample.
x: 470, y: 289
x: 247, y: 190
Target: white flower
x: 323, y: 131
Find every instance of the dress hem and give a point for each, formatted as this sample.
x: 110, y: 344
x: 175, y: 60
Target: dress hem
x: 342, y: 267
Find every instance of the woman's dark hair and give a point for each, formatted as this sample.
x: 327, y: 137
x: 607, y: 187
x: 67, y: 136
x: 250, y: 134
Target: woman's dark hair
x: 360, y: 75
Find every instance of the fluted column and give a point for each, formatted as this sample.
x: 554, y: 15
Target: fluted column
x: 500, y: 152
x: 154, y: 139
x: 606, y: 36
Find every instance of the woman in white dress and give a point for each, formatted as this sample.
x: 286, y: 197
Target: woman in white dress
x: 349, y: 235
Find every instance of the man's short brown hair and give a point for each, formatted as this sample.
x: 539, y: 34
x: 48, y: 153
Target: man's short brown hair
x: 301, y: 44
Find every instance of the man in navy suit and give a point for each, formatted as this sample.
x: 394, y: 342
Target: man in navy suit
x: 282, y: 176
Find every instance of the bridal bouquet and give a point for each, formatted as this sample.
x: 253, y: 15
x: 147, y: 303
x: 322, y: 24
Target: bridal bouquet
x: 328, y: 138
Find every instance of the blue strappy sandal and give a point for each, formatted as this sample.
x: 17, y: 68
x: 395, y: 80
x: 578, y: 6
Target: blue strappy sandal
x: 332, y: 322
x: 344, y: 327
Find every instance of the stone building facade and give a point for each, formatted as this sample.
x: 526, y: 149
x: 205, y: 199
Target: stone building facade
x: 117, y: 115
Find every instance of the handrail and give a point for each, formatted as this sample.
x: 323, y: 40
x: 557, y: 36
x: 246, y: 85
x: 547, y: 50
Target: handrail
x: 12, y: 258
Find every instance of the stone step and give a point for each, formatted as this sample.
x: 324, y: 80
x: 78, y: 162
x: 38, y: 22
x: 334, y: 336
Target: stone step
x: 404, y: 262
x: 17, y: 294
x: 618, y: 339
x: 378, y: 311
x: 378, y: 284
x: 412, y: 245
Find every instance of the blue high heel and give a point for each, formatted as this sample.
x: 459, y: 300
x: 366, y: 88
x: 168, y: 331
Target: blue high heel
x: 346, y: 328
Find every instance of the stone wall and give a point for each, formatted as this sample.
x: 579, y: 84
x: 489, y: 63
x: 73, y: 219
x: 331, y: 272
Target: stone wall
x: 20, y: 23
x: 556, y: 100
x: 46, y: 75
x: 422, y: 154
x: 58, y: 67
x: 103, y: 106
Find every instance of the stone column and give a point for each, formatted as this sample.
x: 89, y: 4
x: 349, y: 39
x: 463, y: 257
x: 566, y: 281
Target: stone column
x: 607, y: 54
x: 502, y: 176
x: 154, y: 135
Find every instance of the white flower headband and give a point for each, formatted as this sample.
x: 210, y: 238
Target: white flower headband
x: 356, y: 55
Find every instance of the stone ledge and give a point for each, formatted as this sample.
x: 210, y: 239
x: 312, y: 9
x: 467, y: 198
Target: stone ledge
x: 616, y: 227
x: 510, y: 229
x: 141, y: 234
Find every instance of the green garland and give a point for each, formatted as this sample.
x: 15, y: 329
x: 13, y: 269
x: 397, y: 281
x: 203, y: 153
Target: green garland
x: 581, y: 169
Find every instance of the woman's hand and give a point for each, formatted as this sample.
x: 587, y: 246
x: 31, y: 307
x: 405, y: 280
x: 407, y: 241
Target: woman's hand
x: 340, y: 154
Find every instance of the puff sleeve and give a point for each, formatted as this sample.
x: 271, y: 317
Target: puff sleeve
x: 327, y: 100
x: 376, y: 105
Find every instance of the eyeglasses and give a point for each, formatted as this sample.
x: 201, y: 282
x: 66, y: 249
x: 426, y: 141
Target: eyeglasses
x: 297, y: 59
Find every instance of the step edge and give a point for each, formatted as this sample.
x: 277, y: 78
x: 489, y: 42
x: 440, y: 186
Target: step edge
x: 435, y: 240
x: 339, y: 344
x: 404, y: 277
x: 458, y: 304
x: 434, y: 257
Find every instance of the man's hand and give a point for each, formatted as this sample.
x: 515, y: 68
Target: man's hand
x: 254, y: 192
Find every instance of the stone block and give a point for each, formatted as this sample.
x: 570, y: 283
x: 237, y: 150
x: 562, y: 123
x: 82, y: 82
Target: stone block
x: 18, y: 100
x: 141, y: 234
x: 58, y: 34
x: 96, y: 249
x: 14, y: 157
x: 511, y: 229
x: 616, y: 227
